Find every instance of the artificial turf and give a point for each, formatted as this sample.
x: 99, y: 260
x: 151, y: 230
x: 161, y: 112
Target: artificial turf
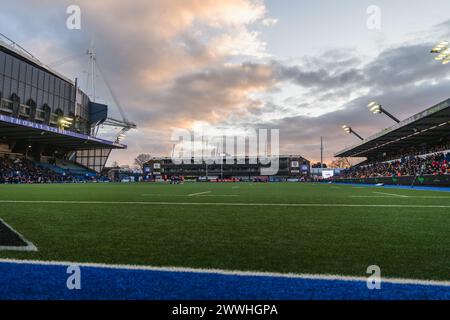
x: 405, y: 232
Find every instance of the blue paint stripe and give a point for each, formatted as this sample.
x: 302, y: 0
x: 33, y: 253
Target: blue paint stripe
x: 420, y: 188
x: 23, y: 281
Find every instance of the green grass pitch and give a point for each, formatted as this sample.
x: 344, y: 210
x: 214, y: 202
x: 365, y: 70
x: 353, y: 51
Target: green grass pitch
x: 405, y: 232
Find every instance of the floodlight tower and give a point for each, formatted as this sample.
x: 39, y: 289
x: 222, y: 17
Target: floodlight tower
x: 377, y: 108
x: 442, y: 52
x: 349, y: 130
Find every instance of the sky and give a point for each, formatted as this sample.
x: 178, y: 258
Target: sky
x: 303, y: 67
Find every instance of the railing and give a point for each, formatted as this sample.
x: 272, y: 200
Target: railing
x: 15, y: 45
x: 6, y: 106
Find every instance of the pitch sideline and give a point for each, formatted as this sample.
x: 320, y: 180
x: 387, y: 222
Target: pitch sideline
x: 228, y: 204
x: 226, y: 272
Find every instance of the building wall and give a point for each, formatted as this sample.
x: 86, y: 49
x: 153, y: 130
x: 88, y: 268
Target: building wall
x: 289, y: 166
x: 31, y: 92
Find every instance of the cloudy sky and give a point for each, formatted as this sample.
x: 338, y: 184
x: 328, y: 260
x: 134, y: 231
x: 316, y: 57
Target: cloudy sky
x: 305, y: 67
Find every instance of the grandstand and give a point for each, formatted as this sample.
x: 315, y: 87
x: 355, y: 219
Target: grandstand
x: 416, y: 150
x: 48, y: 125
x: 248, y: 168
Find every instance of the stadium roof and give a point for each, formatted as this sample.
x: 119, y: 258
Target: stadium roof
x: 23, y: 130
x: 10, y: 46
x: 426, y: 127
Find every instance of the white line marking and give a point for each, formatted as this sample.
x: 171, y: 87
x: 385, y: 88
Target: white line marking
x: 391, y: 194
x: 218, y: 195
x: 384, y: 197
x: 183, y: 195
x: 325, y: 205
x: 415, y: 197
x: 226, y: 272
x: 198, y: 194
x: 163, y: 195
x: 421, y: 189
x: 29, y: 246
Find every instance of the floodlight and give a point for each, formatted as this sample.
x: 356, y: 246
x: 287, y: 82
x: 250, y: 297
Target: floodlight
x: 440, y: 46
x: 443, y: 52
x: 349, y: 130
x: 377, y: 108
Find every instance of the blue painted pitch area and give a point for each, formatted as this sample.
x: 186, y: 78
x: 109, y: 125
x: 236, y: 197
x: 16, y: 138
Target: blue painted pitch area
x: 31, y: 281
x: 420, y: 188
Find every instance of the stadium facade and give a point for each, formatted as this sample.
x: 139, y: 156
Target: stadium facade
x: 45, y: 116
x: 248, y: 168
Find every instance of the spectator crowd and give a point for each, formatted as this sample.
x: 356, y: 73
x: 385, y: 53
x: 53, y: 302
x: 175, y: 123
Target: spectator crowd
x: 25, y: 171
x: 432, y: 164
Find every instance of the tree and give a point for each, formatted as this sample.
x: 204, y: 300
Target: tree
x: 318, y: 165
x: 115, y: 164
x: 142, y: 159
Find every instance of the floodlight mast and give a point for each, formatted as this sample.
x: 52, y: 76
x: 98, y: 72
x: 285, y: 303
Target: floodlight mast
x: 377, y: 108
x: 349, y: 130
x: 124, y: 124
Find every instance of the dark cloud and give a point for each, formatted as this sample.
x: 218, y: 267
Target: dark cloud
x: 320, y: 78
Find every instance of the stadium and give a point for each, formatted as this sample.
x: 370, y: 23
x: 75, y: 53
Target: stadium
x: 47, y: 123
x: 241, y: 169
x: 415, y: 151
x: 72, y: 228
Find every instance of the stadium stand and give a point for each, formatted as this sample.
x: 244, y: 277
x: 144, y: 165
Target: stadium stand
x: 414, y: 150
x: 73, y: 168
x: 432, y: 164
x: 44, y: 115
x: 25, y: 171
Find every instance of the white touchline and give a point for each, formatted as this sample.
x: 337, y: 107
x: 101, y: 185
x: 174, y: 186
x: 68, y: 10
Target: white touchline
x: 384, y: 197
x: 225, y: 272
x: 198, y: 194
x: 184, y: 195
x: 415, y: 197
x: 391, y: 194
x: 230, y: 204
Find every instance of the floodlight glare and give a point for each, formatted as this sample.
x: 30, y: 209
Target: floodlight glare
x: 443, y: 52
x: 347, y: 129
x: 375, y: 108
x: 440, y: 46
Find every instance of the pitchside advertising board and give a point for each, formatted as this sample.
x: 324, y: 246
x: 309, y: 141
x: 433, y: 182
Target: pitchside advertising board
x: 327, y: 174
x: 426, y: 180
